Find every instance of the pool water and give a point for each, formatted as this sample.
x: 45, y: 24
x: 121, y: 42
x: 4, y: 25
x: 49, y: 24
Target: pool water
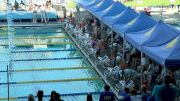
x: 45, y: 58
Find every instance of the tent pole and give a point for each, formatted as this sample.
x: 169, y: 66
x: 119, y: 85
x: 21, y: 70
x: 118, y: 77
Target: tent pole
x: 112, y: 47
x: 124, y: 49
x: 142, y: 65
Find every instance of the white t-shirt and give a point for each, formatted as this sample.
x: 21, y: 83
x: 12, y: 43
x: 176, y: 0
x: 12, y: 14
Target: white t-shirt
x: 136, y: 98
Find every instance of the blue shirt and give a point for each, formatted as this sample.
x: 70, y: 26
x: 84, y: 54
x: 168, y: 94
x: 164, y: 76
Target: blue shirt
x: 107, y: 96
x: 126, y: 97
x: 150, y: 98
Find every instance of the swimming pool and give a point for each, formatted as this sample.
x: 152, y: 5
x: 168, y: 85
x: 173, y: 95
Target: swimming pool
x: 45, y: 58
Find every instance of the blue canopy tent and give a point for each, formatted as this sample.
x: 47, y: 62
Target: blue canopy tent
x: 123, y: 17
x: 112, y: 10
x: 140, y: 23
x: 167, y: 54
x: 100, y: 6
x: 88, y: 3
x: 137, y: 39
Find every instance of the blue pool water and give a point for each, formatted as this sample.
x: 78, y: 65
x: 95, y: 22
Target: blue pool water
x: 44, y: 58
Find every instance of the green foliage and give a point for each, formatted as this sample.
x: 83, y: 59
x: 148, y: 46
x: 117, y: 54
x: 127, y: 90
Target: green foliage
x: 71, y: 4
x: 144, y: 3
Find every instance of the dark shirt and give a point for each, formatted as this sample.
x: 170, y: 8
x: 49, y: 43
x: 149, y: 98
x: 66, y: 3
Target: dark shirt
x: 107, y: 96
x: 144, y: 96
x: 126, y: 97
x: 167, y: 93
x: 150, y: 98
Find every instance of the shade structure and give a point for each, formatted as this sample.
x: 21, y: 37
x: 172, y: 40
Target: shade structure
x: 123, y: 17
x: 100, y: 6
x: 139, y: 23
x: 112, y: 10
x: 167, y: 54
x: 151, y: 36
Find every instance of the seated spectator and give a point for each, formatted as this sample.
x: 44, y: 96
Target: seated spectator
x: 107, y: 95
x: 89, y: 97
x: 134, y: 96
x: 167, y: 91
x: 58, y: 97
x: 53, y: 96
x: 40, y: 95
x: 31, y: 97
x: 125, y: 95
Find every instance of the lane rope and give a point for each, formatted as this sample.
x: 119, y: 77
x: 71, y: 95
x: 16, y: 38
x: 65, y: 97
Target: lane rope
x: 58, y: 43
x: 47, y: 69
x: 57, y: 50
x: 53, y: 81
x: 48, y: 59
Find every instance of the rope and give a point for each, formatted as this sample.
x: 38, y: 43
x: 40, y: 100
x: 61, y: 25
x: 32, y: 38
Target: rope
x: 40, y: 32
x: 47, y: 69
x: 43, y: 37
x: 52, y: 26
x: 5, y: 38
x: 60, y: 43
x: 44, y: 50
x: 48, y: 59
x: 70, y: 94
x: 52, y: 81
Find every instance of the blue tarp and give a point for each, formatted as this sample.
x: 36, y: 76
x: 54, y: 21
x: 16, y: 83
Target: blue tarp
x: 136, y: 39
x: 112, y: 10
x: 140, y: 23
x: 149, y: 36
x: 100, y: 6
x: 167, y: 54
x: 123, y: 17
x: 157, y: 40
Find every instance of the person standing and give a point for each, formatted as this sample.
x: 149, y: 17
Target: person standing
x: 43, y: 14
x: 40, y: 95
x: 31, y: 97
x: 125, y: 94
x: 89, y: 97
x: 167, y: 91
x: 64, y: 11
x: 107, y: 95
x: 34, y: 14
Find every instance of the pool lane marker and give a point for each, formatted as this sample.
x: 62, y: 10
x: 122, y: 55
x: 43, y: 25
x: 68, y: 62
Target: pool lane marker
x: 49, y: 59
x: 48, y: 69
x: 31, y: 44
x: 50, y: 32
x: 55, y: 50
x: 54, y: 37
x: 53, y: 81
x: 63, y: 95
